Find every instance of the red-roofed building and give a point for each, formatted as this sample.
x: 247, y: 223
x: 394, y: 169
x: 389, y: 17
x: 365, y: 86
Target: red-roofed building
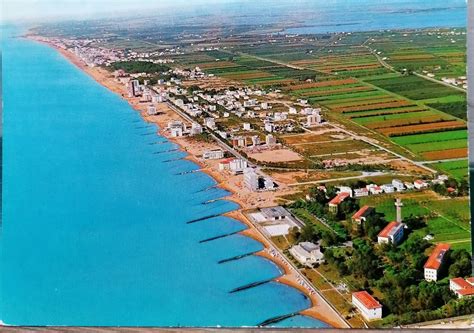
x: 462, y: 288
x: 225, y: 164
x: 368, y: 306
x: 435, y: 261
x: 392, y: 233
x: 336, y: 201
x: 362, y: 214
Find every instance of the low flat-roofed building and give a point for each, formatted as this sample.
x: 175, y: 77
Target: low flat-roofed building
x: 275, y: 221
x: 368, y: 306
x: 392, y: 233
x: 462, y: 287
x: 435, y: 261
x: 214, y: 154
x: 307, y: 253
x: 275, y: 213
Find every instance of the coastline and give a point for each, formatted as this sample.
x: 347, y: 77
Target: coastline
x: 320, y: 309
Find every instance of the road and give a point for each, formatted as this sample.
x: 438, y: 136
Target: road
x: 323, y: 181
x: 439, y: 82
x: 391, y: 68
x: 447, y: 160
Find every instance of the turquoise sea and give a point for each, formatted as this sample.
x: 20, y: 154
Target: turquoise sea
x: 95, y: 209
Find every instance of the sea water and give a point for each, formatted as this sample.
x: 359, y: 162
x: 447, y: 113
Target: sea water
x: 95, y: 212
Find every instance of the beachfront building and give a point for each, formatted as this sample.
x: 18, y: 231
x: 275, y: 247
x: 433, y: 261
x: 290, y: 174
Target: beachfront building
x: 251, y: 179
x: 176, y: 128
x: 275, y: 221
x: 392, y: 233
x: 196, y: 129
x: 367, y: 305
x: 435, y: 262
x: 214, y: 154
x: 307, y: 253
x: 462, y: 287
x: 151, y: 110
x: 237, y: 165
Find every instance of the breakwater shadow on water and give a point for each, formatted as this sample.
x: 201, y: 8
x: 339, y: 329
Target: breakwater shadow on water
x: 158, y: 142
x: 220, y: 236
x: 240, y: 256
x: 249, y: 286
x: 277, y: 319
x: 203, y: 218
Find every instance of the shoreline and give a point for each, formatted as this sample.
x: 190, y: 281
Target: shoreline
x: 320, y: 309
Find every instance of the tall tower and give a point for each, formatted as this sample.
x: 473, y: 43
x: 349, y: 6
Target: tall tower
x: 399, y: 205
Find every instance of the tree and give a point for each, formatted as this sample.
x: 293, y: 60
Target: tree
x: 460, y: 263
x: 373, y: 225
x: 308, y: 234
x: 318, y: 195
x: 414, y: 222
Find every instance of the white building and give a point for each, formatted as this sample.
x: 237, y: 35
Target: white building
x: 435, y: 262
x: 398, y: 185
x: 176, y: 128
x: 313, y: 120
x: 270, y: 140
x: 247, y: 127
x: 368, y: 306
x: 269, y: 127
x: 238, y: 165
x: 345, y: 189
x: 251, y: 179
x: 420, y: 184
x: 392, y: 233
x: 462, y: 288
x: 210, y: 122
x: 388, y: 188
x: 307, y: 253
x: 151, y: 110
x: 213, y: 154
x: 196, y: 129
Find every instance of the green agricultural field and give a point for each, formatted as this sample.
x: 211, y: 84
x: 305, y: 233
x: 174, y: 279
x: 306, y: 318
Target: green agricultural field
x: 405, y: 115
x: 372, y: 113
x: 414, y: 87
x: 439, y: 145
x: 430, y: 137
x: 457, y: 169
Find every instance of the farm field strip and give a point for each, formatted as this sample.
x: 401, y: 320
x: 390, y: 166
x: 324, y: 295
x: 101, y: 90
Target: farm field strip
x: 412, y: 129
x: 445, y: 154
x: 393, y: 116
x: 402, y: 122
x: 436, y: 146
x: 431, y: 137
x: 457, y: 169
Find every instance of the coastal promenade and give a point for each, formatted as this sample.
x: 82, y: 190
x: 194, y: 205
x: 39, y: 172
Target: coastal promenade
x: 321, y: 309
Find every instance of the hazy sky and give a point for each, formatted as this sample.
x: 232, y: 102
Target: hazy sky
x: 19, y: 10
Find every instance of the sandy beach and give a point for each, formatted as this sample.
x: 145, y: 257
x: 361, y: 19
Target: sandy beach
x: 247, y: 200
